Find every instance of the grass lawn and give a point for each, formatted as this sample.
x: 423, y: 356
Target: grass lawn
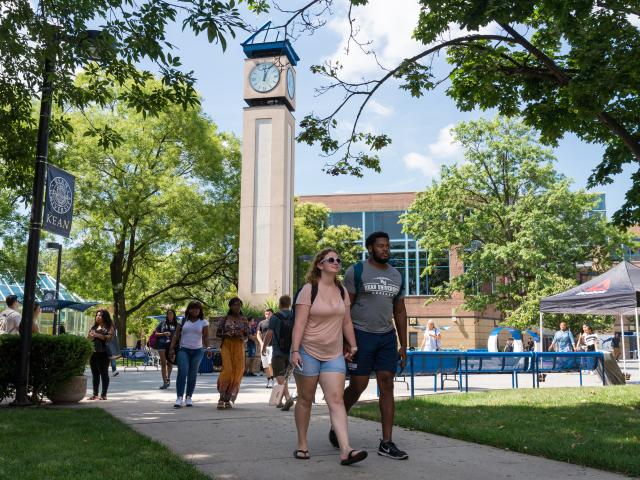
x: 79, y: 443
x: 596, y: 427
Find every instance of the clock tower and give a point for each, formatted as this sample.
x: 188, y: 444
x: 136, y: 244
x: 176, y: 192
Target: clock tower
x: 268, y: 154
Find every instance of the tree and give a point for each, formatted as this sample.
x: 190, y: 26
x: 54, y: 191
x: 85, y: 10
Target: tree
x: 563, y: 67
x: 156, y: 213
x: 312, y: 234
x: 518, y: 229
x: 132, y: 33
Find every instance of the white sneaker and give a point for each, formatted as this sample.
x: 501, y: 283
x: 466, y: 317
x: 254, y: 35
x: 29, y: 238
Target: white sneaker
x: 179, y: 403
x: 189, y: 402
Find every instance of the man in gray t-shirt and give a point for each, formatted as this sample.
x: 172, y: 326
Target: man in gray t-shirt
x: 372, y: 310
x: 377, y: 305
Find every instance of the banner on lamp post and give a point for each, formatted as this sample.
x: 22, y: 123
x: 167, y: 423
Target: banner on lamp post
x: 49, y: 301
x: 58, y: 202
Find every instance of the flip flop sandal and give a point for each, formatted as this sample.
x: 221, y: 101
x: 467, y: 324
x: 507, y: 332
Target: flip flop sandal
x: 220, y: 405
x: 354, y: 457
x: 301, y: 454
x: 94, y: 397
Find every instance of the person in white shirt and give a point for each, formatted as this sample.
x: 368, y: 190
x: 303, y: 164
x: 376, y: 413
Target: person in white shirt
x: 10, y: 318
x: 432, y: 338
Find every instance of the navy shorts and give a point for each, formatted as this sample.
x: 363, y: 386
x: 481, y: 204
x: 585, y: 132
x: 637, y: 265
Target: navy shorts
x: 376, y: 352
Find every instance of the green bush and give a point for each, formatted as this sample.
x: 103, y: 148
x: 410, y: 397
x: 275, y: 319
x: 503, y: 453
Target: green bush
x: 53, y: 361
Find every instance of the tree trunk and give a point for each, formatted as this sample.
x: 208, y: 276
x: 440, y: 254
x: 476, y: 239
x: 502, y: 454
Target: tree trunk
x: 117, y: 287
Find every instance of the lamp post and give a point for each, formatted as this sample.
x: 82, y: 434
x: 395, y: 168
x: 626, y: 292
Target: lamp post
x: 35, y: 222
x: 56, y: 246
x: 35, y: 227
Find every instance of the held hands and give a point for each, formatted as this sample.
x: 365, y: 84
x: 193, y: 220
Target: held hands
x: 350, y: 352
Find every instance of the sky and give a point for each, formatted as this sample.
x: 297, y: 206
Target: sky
x: 419, y: 128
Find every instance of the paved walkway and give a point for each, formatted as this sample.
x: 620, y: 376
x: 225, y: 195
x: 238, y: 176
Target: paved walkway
x: 255, y: 442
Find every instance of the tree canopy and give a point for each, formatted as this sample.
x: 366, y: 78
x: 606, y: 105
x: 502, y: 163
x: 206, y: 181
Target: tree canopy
x: 571, y: 66
x: 312, y: 233
x: 131, y: 33
x: 156, y: 213
x: 518, y: 229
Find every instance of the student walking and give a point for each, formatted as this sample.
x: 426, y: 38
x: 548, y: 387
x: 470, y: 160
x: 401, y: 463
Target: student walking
x: 376, y: 293
x: 266, y: 350
x: 322, y: 320
x: 279, y: 336
x: 165, y: 332
x: 100, y: 334
x: 190, y: 337
x: 233, y: 329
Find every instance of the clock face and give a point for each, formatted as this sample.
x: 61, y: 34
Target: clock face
x: 264, y: 77
x: 291, y: 84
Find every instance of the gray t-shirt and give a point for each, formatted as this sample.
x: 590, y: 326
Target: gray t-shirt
x: 372, y: 310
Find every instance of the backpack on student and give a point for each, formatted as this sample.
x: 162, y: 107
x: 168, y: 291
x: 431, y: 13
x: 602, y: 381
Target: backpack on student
x: 285, y: 333
x: 357, y: 280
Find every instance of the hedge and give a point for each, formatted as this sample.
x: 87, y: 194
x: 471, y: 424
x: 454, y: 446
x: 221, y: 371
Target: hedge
x: 53, y: 361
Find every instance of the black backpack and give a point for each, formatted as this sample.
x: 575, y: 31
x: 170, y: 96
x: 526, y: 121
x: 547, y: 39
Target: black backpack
x: 285, y: 333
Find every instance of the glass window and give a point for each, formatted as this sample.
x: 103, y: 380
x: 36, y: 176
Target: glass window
x: 385, y: 222
x: 413, y: 339
x: 398, y: 261
x: 413, y: 274
x: 438, y: 275
x: 352, y: 219
x: 397, y: 245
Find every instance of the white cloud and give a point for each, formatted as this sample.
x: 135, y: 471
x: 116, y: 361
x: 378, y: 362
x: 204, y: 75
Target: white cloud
x: 445, y: 146
x: 422, y: 163
x: 442, y: 152
x: 379, y: 109
x: 385, y: 27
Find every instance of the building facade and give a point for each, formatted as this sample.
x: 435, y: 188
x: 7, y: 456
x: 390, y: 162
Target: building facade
x: 381, y: 211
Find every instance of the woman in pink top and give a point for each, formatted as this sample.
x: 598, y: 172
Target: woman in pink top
x: 322, y: 320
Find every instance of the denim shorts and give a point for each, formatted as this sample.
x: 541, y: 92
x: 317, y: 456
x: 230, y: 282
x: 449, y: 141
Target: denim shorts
x: 312, y: 367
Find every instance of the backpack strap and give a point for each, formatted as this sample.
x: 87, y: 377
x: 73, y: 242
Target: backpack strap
x: 357, y: 276
x: 314, y: 292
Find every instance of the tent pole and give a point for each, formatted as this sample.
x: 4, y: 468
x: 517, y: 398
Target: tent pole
x: 637, y: 340
x: 541, y: 334
x: 624, y: 352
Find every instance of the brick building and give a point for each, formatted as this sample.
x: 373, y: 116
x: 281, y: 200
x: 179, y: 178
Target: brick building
x: 380, y: 211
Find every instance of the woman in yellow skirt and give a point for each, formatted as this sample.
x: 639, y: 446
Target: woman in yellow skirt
x: 233, y: 329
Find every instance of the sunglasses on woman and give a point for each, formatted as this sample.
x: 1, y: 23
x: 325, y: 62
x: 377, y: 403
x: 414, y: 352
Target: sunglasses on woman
x: 332, y: 260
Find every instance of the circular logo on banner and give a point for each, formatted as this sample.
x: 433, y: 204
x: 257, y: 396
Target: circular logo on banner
x: 60, y: 195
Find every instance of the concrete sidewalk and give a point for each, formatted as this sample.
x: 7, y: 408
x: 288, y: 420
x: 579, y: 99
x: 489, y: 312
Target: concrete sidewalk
x: 254, y: 442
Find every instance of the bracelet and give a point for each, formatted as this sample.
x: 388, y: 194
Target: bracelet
x: 294, y: 351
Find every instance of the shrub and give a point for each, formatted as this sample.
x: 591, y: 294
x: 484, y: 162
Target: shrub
x: 53, y: 361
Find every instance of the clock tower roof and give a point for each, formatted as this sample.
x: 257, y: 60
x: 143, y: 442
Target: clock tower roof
x: 269, y: 48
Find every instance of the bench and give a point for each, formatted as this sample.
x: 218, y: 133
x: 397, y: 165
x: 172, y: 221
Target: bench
x: 512, y: 363
x: 555, y: 362
x: 444, y: 364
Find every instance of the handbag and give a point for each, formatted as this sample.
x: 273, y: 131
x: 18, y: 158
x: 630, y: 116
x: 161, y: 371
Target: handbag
x: 278, y: 390
x: 153, y: 340
x: 113, y: 347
